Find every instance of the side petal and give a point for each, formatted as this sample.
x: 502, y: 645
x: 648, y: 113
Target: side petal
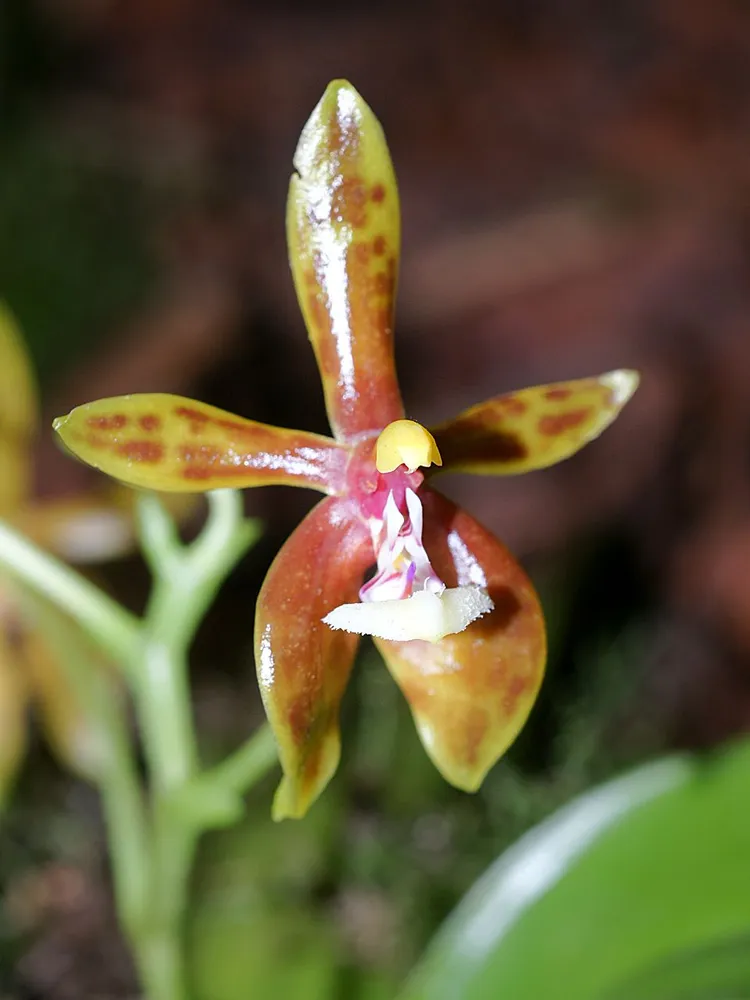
x: 77, y: 696
x: 343, y: 231
x: 13, y: 711
x: 303, y: 666
x: 470, y: 693
x: 71, y: 734
x: 164, y: 442
x: 18, y: 414
x: 533, y: 428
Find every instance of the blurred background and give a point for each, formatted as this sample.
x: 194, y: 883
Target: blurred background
x: 574, y: 180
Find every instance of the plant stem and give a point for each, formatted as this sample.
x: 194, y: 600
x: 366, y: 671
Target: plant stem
x: 113, y: 628
x: 185, y: 581
x: 153, y: 851
x: 248, y: 764
x: 127, y: 829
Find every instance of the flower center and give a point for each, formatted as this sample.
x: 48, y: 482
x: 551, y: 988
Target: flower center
x: 407, y: 443
x: 405, y: 599
x: 403, y: 564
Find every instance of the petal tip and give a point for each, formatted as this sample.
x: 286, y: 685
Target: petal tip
x: 622, y: 382
x: 338, y: 86
x: 298, y: 791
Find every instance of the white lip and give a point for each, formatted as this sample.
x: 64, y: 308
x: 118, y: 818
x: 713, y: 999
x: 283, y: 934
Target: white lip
x: 425, y: 615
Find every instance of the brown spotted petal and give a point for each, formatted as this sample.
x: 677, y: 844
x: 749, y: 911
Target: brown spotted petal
x: 303, y: 666
x: 343, y: 231
x: 470, y: 693
x: 164, y: 442
x: 533, y: 428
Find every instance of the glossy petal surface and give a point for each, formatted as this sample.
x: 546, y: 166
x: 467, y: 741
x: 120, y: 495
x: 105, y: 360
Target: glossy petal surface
x: 303, y: 666
x: 471, y: 693
x: 165, y: 442
x: 533, y: 428
x: 18, y: 411
x: 343, y: 233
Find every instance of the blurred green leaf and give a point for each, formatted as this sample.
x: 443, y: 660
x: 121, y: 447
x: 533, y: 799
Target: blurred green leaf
x: 262, y: 951
x: 612, y: 896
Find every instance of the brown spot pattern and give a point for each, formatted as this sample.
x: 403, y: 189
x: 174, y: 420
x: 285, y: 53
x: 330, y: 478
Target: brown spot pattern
x: 141, y: 451
x: 150, y: 422
x: 511, y: 405
x: 348, y: 203
x: 553, y: 424
x: 378, y: 194
x: 557, y: 395
x: 476, y: 724
x: 362, y: 253
x: 515, y: 687
x: 114, y: 422
x: 383, y: 283
x: 469, y: 438
x: 378, y: 245
x: 188, y: 413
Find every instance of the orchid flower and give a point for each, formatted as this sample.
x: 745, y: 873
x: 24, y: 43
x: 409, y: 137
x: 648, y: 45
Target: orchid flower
x: 452, y: 613
x: 82, y: 529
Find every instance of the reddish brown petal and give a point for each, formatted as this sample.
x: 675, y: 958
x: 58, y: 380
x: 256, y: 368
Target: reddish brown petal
x: 533, y: 428
x: 170, y: 443
x: 343, y: 231
x: 471, y: 693
x: 303, y: 666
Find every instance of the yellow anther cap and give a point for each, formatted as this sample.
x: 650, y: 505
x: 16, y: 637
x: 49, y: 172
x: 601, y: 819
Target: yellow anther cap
x: 405, y: 442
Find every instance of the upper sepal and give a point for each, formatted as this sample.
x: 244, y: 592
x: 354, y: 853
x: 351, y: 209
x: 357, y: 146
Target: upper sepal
x: 471, y: 692
x: 164, y: 442
x: 303, y: 665
x: 343, y: 233
x: 533, y: 428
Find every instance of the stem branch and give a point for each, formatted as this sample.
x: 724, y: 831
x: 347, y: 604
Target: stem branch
x: 113, y: 628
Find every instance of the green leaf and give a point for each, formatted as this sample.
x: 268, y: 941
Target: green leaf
x: 638, y: 889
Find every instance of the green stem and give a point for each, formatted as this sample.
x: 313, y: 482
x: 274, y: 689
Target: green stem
x: 247, y: 765
x: 152, y: 855
x: 186, y: 579
x: 113, y: 628
x: 111, y: 762
x: 127, y: 828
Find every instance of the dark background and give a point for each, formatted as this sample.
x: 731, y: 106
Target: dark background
x: 575, y: 184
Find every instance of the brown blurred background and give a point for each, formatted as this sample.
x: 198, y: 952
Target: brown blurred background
x: 575, y: 185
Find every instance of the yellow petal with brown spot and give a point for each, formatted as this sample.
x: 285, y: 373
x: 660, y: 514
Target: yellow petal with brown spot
x: 170, y: 443
x: 533, y: 428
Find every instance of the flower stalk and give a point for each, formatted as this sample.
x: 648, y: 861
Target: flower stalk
x: 153, y: 827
